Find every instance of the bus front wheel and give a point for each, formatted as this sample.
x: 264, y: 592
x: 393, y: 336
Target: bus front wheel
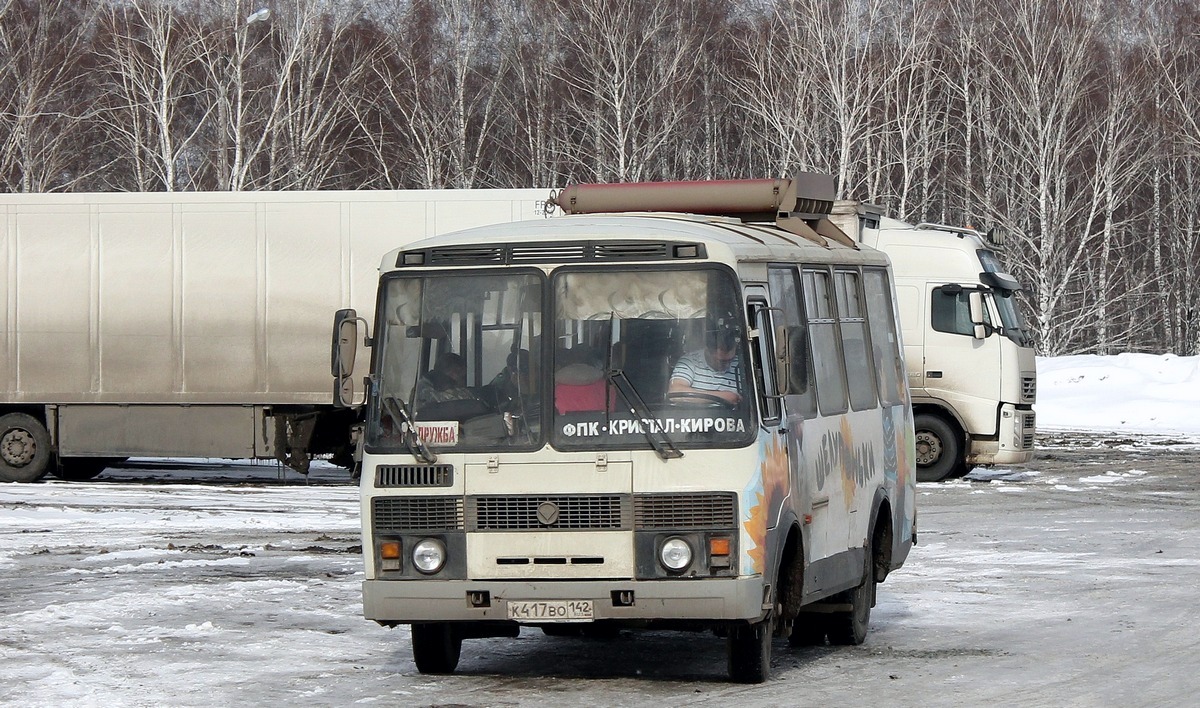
x: 749, y: 648
x: 436, y: 647
x: 938, y: 448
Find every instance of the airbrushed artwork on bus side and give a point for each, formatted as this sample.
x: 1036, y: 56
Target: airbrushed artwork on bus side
x: 769, y: 486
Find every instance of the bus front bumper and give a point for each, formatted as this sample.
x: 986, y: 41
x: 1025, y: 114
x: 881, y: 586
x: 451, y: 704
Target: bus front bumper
x: 405, y: 601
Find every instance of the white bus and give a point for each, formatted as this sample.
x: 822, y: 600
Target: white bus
x: 596, y: 422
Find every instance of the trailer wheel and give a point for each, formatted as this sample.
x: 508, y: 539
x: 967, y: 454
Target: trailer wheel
x: 749, y: 649
x: 24, y: 448
x: 938, y: 448
x: 850, y: 628
x: 436, y: 647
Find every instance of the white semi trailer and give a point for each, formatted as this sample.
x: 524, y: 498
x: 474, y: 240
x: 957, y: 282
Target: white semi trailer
x: 194, y: 324
x: 968, y: 353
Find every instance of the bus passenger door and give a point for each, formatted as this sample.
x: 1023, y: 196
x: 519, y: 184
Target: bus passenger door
x: 796, y: 384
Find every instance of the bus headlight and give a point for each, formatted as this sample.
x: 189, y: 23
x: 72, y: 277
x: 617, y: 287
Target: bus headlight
x: 429, y: 556
x: 675, y: 554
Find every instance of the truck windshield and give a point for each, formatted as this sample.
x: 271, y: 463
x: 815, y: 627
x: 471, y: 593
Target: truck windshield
x: 461, y: 353
x: 1013, y: 322
x: 648, y: 358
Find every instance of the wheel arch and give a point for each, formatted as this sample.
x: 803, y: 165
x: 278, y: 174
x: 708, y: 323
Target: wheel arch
x: 882, y: 534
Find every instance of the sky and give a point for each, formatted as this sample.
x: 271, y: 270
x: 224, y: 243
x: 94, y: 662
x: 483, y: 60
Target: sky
x: 1135, y: 393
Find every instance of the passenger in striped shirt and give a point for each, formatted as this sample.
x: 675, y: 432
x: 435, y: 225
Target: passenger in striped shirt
x: 715, y: 370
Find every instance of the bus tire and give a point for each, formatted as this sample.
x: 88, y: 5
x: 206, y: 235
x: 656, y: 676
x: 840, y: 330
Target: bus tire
x: 749, y: 649
x: 850, y: 628
x: 24, y: 448
x: 436, y: 647
x: 938, y: 448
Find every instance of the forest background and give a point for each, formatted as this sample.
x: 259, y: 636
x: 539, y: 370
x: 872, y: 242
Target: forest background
x: 1072, y: 127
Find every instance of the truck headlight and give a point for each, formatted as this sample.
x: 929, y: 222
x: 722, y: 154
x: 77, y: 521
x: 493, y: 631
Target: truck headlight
x: 429, y: 556
x: 675, y: 554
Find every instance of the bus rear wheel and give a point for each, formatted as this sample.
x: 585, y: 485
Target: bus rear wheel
x: 24, y: 448
x: 938, y: 448
x: 436, y: 647
x: 749, y: 648
x: 850, y: 628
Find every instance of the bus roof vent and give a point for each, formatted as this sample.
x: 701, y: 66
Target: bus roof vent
x: 552, y: 252
x: 636, y: 250
x: 566, y: 252
x: 466, y: 255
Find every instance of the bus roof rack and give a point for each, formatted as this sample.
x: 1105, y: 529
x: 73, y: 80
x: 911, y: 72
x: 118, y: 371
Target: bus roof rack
x: 800, y: 205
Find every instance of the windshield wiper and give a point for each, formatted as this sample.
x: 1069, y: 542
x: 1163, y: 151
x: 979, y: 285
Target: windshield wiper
x: 658, y: 439
x: 400, y: 413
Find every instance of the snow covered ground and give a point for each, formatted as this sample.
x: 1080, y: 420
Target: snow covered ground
x: 1134, y: 393
x: 1068, y: 581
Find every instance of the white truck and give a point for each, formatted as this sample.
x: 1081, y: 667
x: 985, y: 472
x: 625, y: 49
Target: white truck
x: 969, y: 356
x: 194, y: 324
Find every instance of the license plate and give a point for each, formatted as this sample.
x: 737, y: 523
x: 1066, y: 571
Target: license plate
x: 550, y: 610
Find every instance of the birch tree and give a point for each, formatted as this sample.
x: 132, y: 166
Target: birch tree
x: 151, y: 115
x: 44, y: 56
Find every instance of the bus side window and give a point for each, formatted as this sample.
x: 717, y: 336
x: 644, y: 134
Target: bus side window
x: 790, y: 321
x: 823, y: 336
x: 885, y: 344
x: 851, y: 316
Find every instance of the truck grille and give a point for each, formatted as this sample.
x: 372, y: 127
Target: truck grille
x: 1028, y: 428
x: 525, y: 513
x: 684, y: 511
x: 394, y: 476
x: 1028, y: 389
x: 393, y: 514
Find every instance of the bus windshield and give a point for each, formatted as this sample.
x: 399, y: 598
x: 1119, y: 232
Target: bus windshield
x: 458, y: 355
x: 632, y: 359
x: 648, y: 357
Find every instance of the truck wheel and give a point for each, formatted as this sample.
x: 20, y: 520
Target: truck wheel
x: 749, y: 649
x: 436, y: 647
x: 938, y: 448
x: 24, y: 448
x: 850, y: 628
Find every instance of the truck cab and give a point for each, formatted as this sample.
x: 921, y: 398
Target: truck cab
x: 970, y: 358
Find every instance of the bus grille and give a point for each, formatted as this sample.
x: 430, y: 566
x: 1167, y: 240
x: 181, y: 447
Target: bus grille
x: 684, y: 511
x: 536, y: 513
x: 414, y: 476
x: 1028, y: 389
x: 391, y: 514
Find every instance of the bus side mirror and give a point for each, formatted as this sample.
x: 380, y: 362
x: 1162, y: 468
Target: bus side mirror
x: 343, y: 351
x: 975, y: 298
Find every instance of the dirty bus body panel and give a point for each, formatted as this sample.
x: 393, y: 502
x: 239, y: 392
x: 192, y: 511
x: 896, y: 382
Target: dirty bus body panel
x: 193, y: 325
x: 973, y: 376
x: 533, y: 455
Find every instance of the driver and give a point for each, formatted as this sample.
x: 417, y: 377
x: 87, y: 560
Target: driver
x: 715, y: 370
x: 447, y: 381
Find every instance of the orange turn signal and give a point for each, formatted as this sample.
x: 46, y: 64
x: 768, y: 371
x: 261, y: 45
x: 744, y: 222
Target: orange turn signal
x: 718, y: 546
x: 389, y: 550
